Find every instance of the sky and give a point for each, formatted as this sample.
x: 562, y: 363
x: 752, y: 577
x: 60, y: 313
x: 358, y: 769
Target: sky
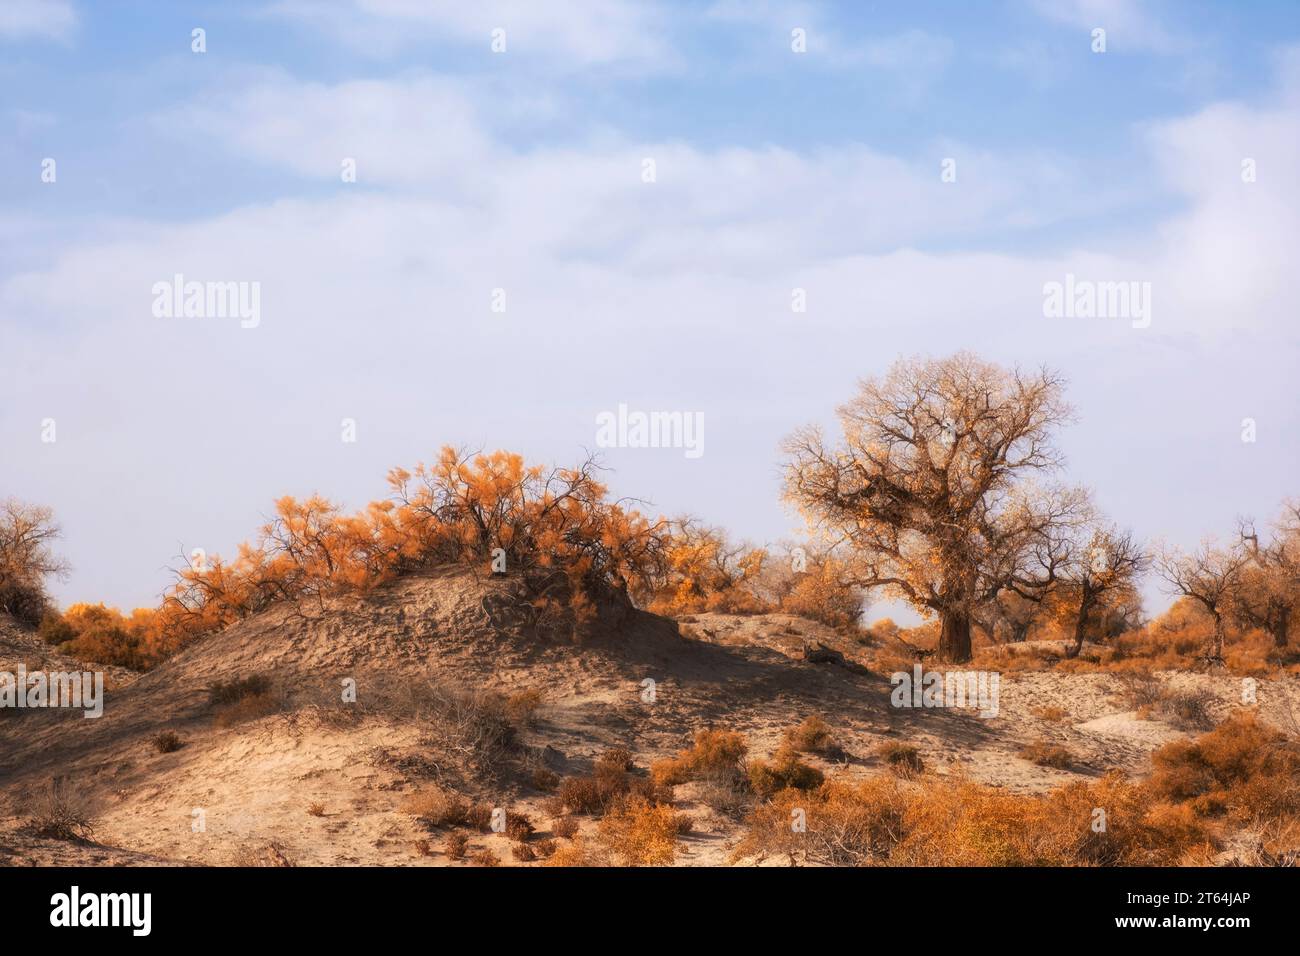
x: 561, y: 208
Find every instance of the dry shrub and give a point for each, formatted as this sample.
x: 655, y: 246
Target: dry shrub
x: 714, y: 752
x: 267, y: 855
x: 544, y: 848
x: 518, y: 826
x: 59, y: 813
x: 223, y: 693
x: 1047, y: 754
x: 479, y: 816
x: 565, y: 827
x: 423, y: 848
x: 785, y: 771
x: 1051, y: 712
x: 544, y: 779
x: 522, y: 706
x: 1242, y: 768
x: 167, y: 741
x: 888, y: 822
x: 812, y: 736
x: 640, y: 833
x: 475, y: 723
x: 523, y: 853
x: 1190, y: 710
x: 438, y: 807
x: 316, y: 809
x: 902, y: 759
x: 611, y: 781
x: 484, y: 857
x: 577, y: 853
x: 455, y: 846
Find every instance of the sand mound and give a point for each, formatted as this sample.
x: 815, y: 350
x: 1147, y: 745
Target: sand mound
x: 309, y: 778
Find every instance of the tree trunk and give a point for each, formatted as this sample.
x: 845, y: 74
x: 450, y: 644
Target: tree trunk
x: 1080, y: 625
x: 954, y: 637
x: 1282, y: 627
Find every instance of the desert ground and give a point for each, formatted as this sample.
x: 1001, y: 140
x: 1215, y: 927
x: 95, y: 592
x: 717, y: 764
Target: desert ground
x: 299, y: 775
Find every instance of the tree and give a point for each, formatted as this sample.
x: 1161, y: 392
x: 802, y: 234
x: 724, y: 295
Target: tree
x: 1107, y: 566
x: 930, y: 491
x: 1209, y: 576
x: 27, y: 558
x: 1269, y: 588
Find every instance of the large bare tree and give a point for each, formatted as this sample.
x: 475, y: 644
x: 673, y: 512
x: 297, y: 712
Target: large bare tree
x: 1108, y: 564
x: 1209, y: 575
x: 27, y: 558
x: 933, y: 494
x: 1268, y: 592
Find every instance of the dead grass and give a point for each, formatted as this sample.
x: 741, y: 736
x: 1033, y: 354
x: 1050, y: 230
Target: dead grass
x: 265, y: 855
x: 316, y: 809
x: 902, y: 759
x: 785, y: 770
x: 641, y: 833
x: 455, y: 846
x: 812, y: 736
x: 60, y: 813
x: 714, y: 752
x: 1047, y: 754
x: 166, y: 742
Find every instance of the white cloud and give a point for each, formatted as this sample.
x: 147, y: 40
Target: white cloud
x: 575, y: 33
x: 43, y: 19
x: 1130, y: 25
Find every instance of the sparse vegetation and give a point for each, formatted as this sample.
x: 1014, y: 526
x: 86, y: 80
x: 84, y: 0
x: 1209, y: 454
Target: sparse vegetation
x: 1047, y: 754
x: 60, y: 813
x: 903, y: 759
x: 167, y: 741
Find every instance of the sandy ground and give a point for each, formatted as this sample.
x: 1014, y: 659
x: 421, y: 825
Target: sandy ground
x: 234, y: 790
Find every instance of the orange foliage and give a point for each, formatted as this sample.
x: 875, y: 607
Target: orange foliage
x: 555, y: 529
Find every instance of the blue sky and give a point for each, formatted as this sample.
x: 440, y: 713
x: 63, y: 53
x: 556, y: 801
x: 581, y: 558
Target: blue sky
x: 522, y: 170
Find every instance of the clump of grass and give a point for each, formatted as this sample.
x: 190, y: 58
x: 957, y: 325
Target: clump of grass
x: 784, y: 771
x: 315, y: 809
x: 1051, y: 712
x: 565, y: 827
x: 904, y: 760
x: 423, y: 848
x: 484, y: 857
x: 438, y: 807
x: 544, y: 779
x: 611, y: 780
x: 1047, y: 754
x: 1190, y: 710
x: 523, y: 853
x: 518, y: 826
x: 59, y: 813
x: 522, y: 706
x: 576, y: 853
x: 455, y: 846
x: 223, y: 693
x: 641, y: 833
x: 271, y: 854
x: 167, y: 741
x: 242, y: 699
x: 713, y: 752
x: 812, y: 736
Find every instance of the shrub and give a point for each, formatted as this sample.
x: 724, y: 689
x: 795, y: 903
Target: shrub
x: 54, y: 630
x: 484, y: 857
x: 59, y: 813
x: 812, y: 736
x: 1047, y: 754
x: 609, y: 782
x: 423, y: 848
x: 565, y: 827
x: 522, y: 706
x: 1190, y: 710
x: 903, y: 759
x: 577, y: 853
x: 545, y: 780
x: 455, y: 846
x: 438, y: 807
x: 167, y: 741
x: 316, y: 809
x: 523, y: 853
x: 271, y: 854
x: 783, y: 772
x: 1242, y: 768
x: 518, y: 826
x: 640, y: 833
x: 714, y: 752
x: 238, y: 688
